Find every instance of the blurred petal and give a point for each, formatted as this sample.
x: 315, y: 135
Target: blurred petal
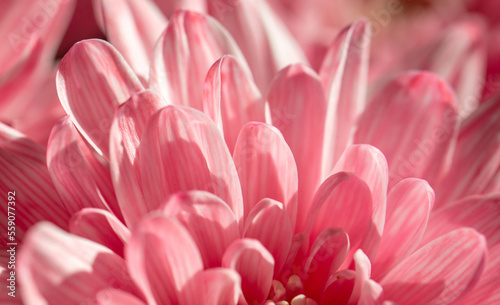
x: 59, y: 268
x: 93, y: 79
x: 231, y: 99
x: 408, y: 207
x: 255, y: 266
x: 163, y: 273
x: 371, y: 293
x: 266, y: 168
x: 116, y: 297
x: 125, y: 136
x: 216, y: 286
x: 344, y: 75
x: 362, y: 265
x: 182, y: 150
x: 440, y: 272
x: 393, y: 123
x: 184, y: 54
x: 487, y: 292
x: 209, y: 221
x: 339, y: 288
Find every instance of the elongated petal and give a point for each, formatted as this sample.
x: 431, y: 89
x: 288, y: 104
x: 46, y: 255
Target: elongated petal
x: 80, y: 179
x: 408, y: 207
x: 342, y: 201
x: 269, y: 224
x: 208, y: 219
x: 162, y: 274
x: 393, y: 123
x: 101, y: 227
x: 487, y: 292
x: 23, y: 171
x: 327, y: 253
x: 214, y: 286
x: 369, y: 164
x: 182, y: 150
x: 363, y: 268
x: 255, y: 266
x: 116, y: 297
x: 297, y: 104
x: 133, y: 27
x: 477, y: 159
x: 93, y: 79
x: 479, y: 212
x: 440, y: 272
x: 343, y: 75
x: 184, y: 54
x: 125, y: 136
x: 231, y: 99
x: 59, y: 268
x: 371, y: 293
x: 266, y: 168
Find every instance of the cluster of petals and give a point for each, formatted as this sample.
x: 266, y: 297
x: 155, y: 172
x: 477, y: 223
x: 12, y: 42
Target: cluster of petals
x: 176, y: 178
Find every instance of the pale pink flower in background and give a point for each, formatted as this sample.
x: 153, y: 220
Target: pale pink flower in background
x: 181, y: 180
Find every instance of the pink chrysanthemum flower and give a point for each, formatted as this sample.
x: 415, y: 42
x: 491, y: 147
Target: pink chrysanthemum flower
x: 181, y: 183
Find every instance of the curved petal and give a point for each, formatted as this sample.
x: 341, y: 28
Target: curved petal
x: 475, y: 165
x: 369, y: 164
x: 255, y: 266
x: 162, y: 274
x: 184, y: 54
x: 371, y: 293
x: 266, y: 168
x: 393, y: 120
x: 59, y: 268
x: 116, y: 297
x: 125, y: 135
x: 92, y: 80
x: 101, y: 227
x: 133, y: 27
x: 343, y: 74
x: 487, y: 292
x: 339, y: 288
x: 208, y: 219
x: 408, y: 207
x: 440, y: 272
x: 269, y: 224
x: 297, y: 104
x: 214, y: 286
x: 363, y: 268
x: 231, y: 99
x: 182, y: 150
x: 80, y: 179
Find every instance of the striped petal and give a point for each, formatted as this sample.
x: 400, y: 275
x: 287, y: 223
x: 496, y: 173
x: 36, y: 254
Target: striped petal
x: 125, y: 136
x: 182, y: 150
x: 440, y: 272
x: 215, y: 286
x: 184, y: 54
x: 116, y: 297
x: 93, y: 79
x: 487, y: 292
x: 266, y: 168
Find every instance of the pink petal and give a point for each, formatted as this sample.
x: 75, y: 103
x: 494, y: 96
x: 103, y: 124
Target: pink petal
x: 342, y: 201
x: 133, y: 27
x: 231, y: 99
x: 296, y: 257
x: 327, y: 253
x: 169, y: 7
x: 343, y: 75
x: 255, y: 266
x: 393, y: 123
x: 369, y: 164
x: 266, y: 168
x: 182, y: 150
x: 116, y: 297
x: 269, y: 224
x: 408, y: 207
x: 297, y: 104
x: 59, y: 268
x: 371, y: 294
x: 208, y: 219
x: 23, y: 170
x: 363, y: 267
x: 162, y: 274
x: 185, y: 52
x: 479, y: 212
x: 80, y: 178
x: 267, y: 43
x: 477, y: 156
x: 215, y: 286
x: 125, y: 136
x: 101, y: 227
x: 487, y: 292
x: 339, y: 288
x: 440, y: 272
x: 93, y: 79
